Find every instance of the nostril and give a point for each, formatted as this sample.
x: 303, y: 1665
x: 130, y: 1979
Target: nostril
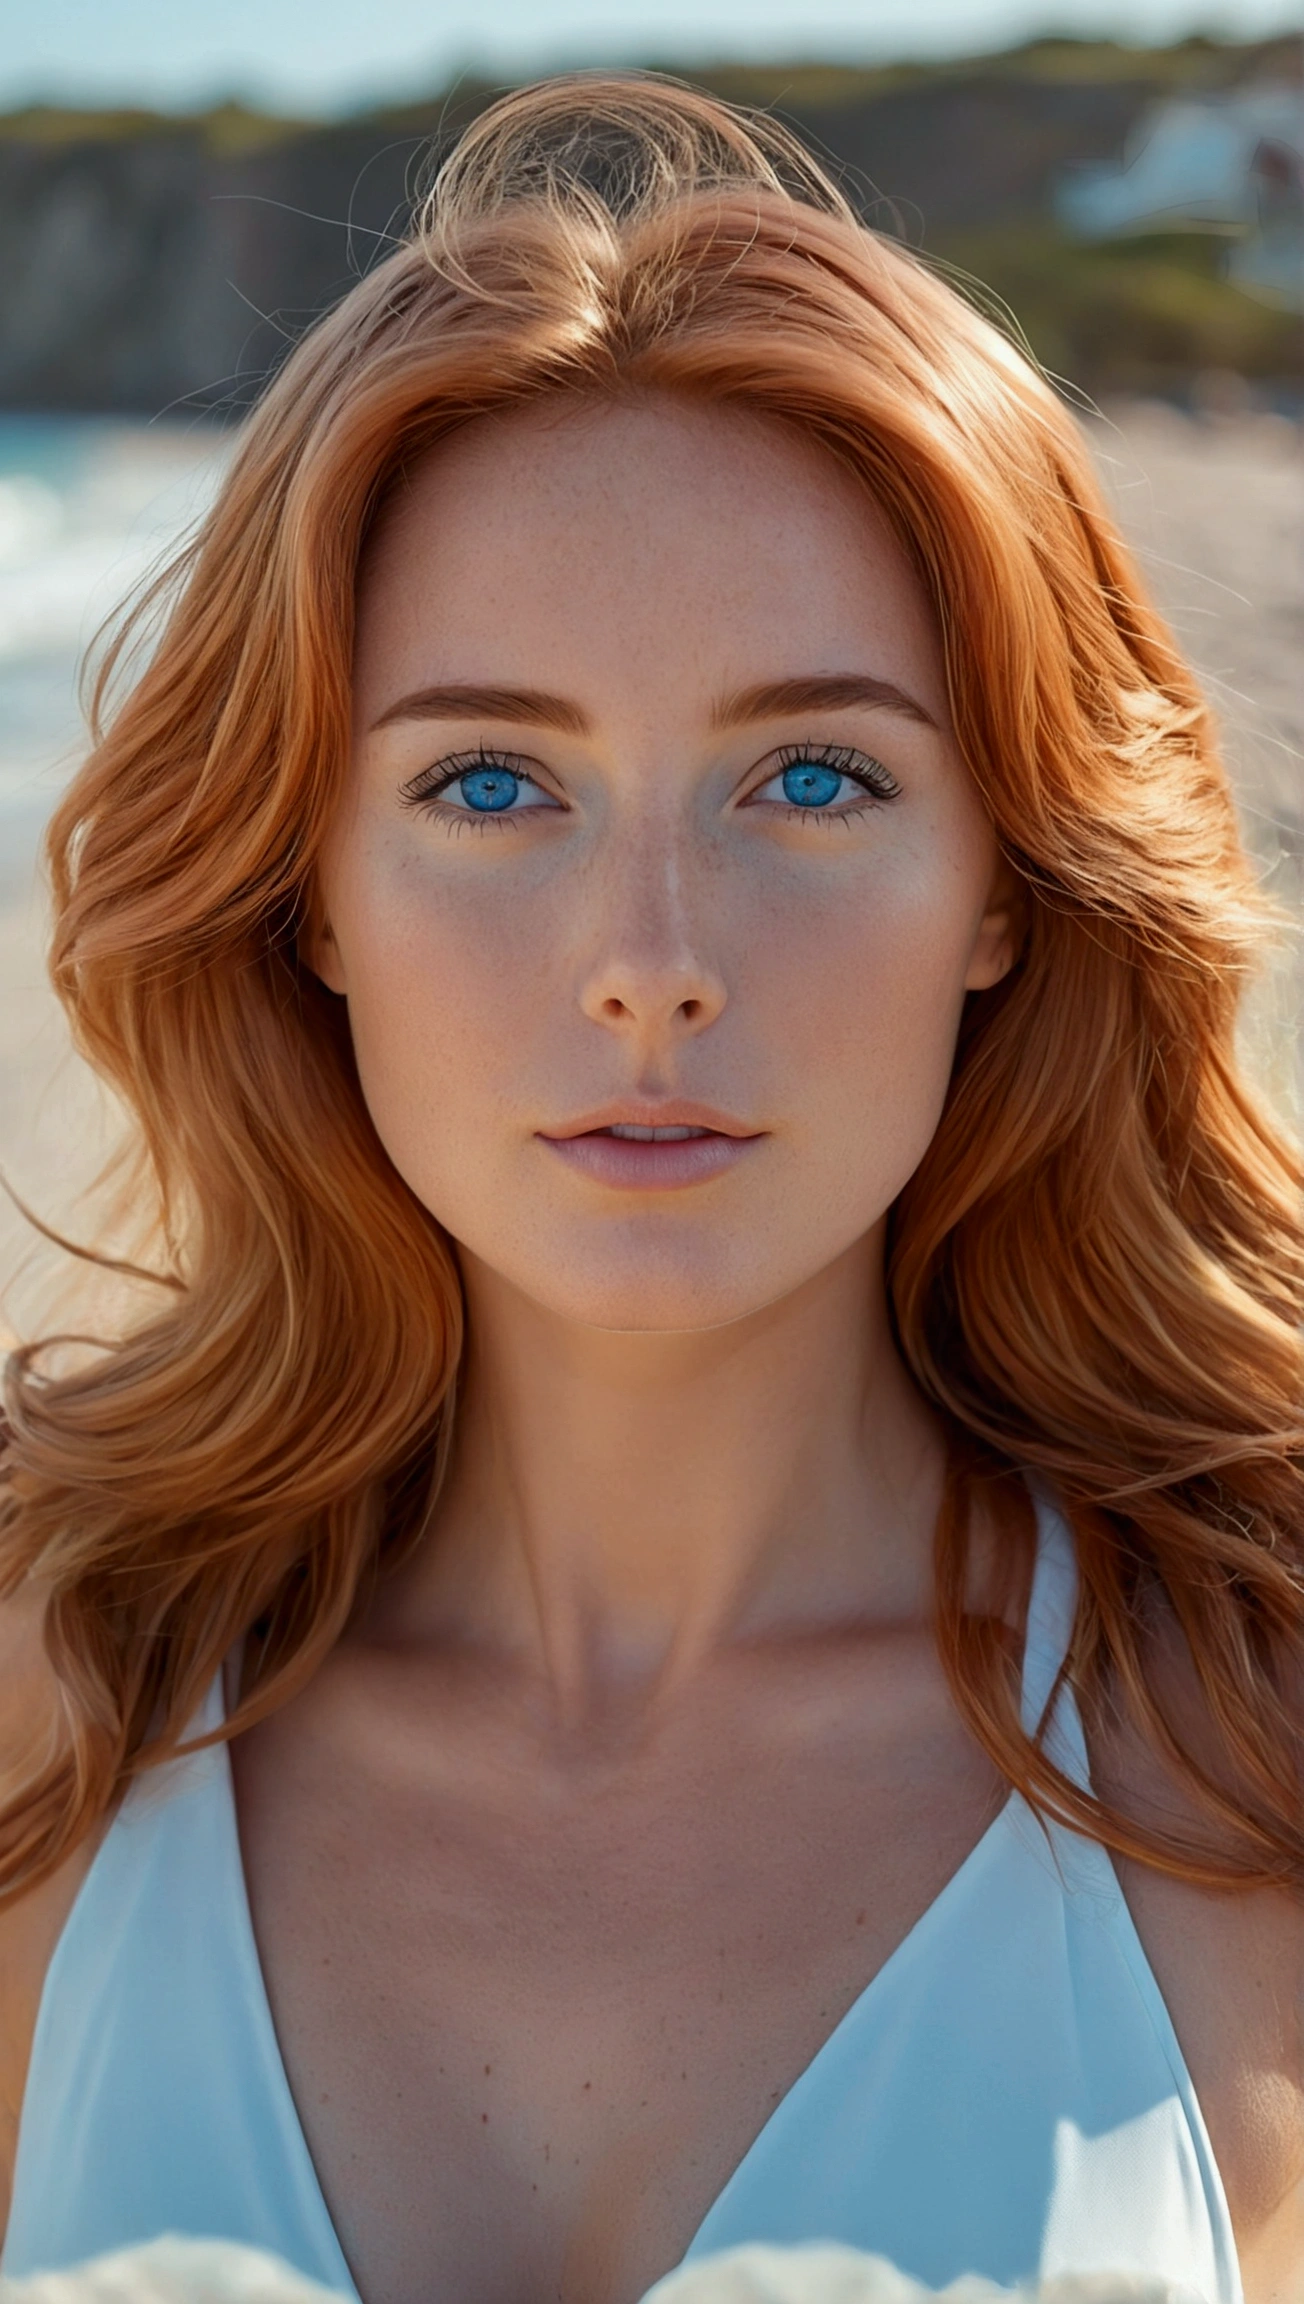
x: 649, y: 1005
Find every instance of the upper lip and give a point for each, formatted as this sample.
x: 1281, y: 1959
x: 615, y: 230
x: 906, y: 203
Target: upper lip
x: 635, y: 1115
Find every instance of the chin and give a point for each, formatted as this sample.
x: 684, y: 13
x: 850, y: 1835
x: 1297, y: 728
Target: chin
x: 650, y: 1304
x: 681, y: 1315
x: 643, y: 1289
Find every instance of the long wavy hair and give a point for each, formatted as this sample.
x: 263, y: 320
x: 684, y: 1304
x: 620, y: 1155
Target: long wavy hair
x: 1097, y: 1272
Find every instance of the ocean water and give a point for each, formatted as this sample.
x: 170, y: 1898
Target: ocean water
x: 90, y: 507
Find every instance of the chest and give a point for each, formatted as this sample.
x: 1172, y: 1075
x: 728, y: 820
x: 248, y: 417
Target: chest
x: 533, y: 2014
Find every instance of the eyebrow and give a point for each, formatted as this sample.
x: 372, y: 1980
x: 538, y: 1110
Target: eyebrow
x: 772, y: 700
x: 530, y: 707
x: 825, y: 692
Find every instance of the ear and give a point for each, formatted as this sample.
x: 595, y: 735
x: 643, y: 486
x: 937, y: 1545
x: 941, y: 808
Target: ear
x: 319, y: 950
x: 1000, y: 932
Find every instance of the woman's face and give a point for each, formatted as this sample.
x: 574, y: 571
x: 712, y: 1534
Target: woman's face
x: 655, y: 820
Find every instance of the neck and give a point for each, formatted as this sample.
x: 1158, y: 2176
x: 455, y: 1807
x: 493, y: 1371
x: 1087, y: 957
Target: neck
x: 619, y: 1505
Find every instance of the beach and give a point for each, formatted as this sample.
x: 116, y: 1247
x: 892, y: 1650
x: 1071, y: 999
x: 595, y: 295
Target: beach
x: 1213, y: 505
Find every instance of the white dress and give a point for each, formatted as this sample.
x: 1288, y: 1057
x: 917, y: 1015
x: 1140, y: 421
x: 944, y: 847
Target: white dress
x: 1006, y: 2097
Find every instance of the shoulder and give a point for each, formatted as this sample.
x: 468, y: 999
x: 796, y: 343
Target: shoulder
x: 1229, y: 1963
x: 1230, y: 1966
x: 29, y: 1925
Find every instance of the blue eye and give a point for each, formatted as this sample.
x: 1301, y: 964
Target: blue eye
x: 476, y: 785
x: 807, y: 785
x: 488, y: 790
x: 810, y: 779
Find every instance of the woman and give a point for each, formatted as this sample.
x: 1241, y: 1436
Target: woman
x: 724, y: 1421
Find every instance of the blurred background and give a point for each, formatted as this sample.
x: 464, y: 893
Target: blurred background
x: 182, y: 189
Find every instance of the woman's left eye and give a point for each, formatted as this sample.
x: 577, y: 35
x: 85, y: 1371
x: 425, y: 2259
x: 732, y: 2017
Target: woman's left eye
x: 820, y: 782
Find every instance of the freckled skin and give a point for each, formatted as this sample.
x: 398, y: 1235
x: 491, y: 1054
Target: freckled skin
x: 653, y: 935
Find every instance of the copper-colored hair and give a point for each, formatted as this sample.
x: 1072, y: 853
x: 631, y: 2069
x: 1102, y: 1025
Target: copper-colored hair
x: 1097, y: 1273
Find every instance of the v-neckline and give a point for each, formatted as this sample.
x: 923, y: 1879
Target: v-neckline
x: 852, y: 2016
x: 1050, y: 1608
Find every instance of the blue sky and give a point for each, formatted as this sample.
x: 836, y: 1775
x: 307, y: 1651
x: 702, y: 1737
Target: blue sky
x: 309, y: 55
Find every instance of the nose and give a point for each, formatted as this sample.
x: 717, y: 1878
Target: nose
x: 648, y: 976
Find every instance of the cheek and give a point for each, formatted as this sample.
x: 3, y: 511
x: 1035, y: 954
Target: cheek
x: 863, y: 974
x: 845, y: 980
x: 447, y: 995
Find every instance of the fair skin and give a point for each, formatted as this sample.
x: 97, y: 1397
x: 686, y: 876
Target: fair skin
x: 632, y: 1777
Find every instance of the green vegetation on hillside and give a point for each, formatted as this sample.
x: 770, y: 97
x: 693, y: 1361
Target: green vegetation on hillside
x: 1135, y: 315
x: 959, y: 158
x: 1194, y: 67
x: 1190, y: 67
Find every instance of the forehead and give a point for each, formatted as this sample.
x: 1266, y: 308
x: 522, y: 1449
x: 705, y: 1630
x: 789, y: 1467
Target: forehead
x: 609, y: 539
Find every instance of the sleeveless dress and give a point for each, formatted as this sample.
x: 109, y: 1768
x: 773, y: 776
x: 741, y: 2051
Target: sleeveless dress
x: 1006, y: 2097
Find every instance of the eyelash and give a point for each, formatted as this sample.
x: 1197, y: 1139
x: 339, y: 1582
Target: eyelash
x: 423, y: 789
x: 876, y: 781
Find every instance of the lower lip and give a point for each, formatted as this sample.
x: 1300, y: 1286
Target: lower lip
x: 634, y: 1165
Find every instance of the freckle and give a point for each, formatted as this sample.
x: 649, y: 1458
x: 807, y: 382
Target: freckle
x: 588, y: 2083
x: 534, y: 2187
x: 860, y: 1919
x: 487, y: 2070
x: 485, y: 2118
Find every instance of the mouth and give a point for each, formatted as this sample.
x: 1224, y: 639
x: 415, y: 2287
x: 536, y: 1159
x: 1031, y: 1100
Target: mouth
x: 661, y: 1155
x: 631, y: 1133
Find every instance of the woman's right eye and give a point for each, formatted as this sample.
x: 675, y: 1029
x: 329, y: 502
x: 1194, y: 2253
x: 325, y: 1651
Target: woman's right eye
x: 479, y: 787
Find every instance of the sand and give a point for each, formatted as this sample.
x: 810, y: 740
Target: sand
x: 1214, y: 507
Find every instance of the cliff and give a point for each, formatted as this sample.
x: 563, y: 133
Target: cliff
x: 152, y: 262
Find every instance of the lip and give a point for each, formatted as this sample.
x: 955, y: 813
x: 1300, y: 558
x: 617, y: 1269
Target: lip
x: 631, y: 1114
x: 628, y: 1164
